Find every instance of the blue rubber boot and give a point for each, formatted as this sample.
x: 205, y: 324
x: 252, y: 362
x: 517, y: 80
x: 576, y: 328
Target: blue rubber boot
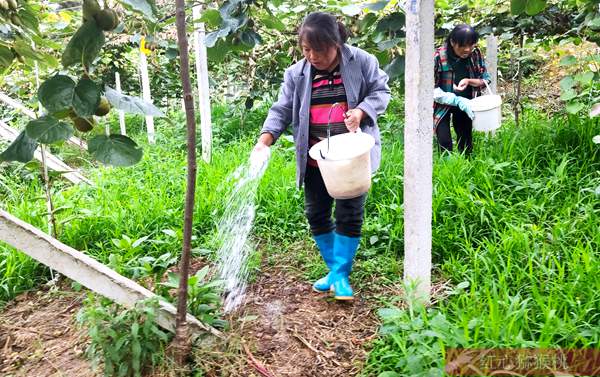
x: 325, y: 244
x: 344, y: 250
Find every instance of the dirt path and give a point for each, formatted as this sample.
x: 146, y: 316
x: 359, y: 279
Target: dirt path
x: 39, y: 336
x: 285, y: 329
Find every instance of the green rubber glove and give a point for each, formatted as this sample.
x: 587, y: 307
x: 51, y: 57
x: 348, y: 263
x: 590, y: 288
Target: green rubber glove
x: 452, y: 99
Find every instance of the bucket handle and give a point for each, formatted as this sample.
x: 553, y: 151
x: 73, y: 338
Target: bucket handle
x: 488, y: 87
x: 337, y: 104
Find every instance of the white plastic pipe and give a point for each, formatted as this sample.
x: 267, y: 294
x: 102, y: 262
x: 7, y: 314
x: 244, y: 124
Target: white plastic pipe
x: 147, y: 96
x: 121, y: 112
x: 203, y: 85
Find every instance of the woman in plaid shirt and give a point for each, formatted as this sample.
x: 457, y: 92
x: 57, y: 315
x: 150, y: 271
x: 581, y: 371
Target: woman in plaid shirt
x: 459, y: 76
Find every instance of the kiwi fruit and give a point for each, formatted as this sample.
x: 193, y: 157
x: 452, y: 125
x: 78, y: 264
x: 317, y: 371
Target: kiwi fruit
x: 107, y: 19
x: 83, y: 124
x: 103, y: 107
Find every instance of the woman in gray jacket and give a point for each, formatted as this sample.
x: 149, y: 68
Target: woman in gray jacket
x: 344, y: 82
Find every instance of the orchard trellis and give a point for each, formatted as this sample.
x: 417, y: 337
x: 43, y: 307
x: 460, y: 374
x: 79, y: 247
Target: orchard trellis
x: 86, y: 270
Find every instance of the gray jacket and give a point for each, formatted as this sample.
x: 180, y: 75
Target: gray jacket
x: 366, y: 89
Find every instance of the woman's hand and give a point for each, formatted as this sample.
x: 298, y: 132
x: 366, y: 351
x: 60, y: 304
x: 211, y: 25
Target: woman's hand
x: 260, y: 146
x: 264, y: 142
x: 462, y: 85
x: 353, y: 119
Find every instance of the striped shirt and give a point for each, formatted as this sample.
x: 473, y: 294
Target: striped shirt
x: 327, y: 89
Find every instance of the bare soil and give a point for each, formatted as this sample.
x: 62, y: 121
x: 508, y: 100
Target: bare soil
x: 284, y: 329
x: 39, y: 336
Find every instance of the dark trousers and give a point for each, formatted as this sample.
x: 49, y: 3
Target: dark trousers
x: 463, y: 126
x: 318, y: 206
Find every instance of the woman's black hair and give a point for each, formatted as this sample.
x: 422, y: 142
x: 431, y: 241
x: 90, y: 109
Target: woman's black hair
x: 463, y: 35
x: 321, y: 30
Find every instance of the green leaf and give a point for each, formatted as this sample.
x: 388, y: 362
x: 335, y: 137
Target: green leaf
x: 273, y: 23
x: 389, y: 313
x: 391, y: 23
x: 84, y: 46
x: 462, y: 285
x: 48, y: 130
x: 518, y: 6
x: 351, y: 10
x: 131, y: 104
x: 56, y: 93
x: 201, y: 274
x: 382, y: 57
x: 531, y: 7
x: 388, y: 374
x: 229, y: 7
x: 534, y: 7
x: 211, y: 17
x: 567, y: 83
x: 116, y: 150
x: 568, y: 60
x: 377, y: 6
x: 218, y: 52
x: 595, y: 23
x: 233, y: 24
x: 396, y: 68
x: 29, y: 20
x: 213, y: 37
x: 25, y: 50
x: 21, y: 149
x: 136, y: 349
x: 585, y: 78
x: 172, y: 53
x: 6, y: 57
x: 568, y: 95
x: 575, y: 107
x: 367, y: 21
x: 250, y: 38
x: 146, y: 8
x: 386, y: 45
x: 596, y: 140
x: 86, y: 97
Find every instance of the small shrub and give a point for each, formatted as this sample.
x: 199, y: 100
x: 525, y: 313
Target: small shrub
x: 125, y: 341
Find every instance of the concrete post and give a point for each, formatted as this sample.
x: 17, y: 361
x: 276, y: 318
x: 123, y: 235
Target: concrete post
x: 418, y: 145
x: 491, y: 60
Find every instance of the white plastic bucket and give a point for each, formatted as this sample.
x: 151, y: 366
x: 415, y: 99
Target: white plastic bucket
x: 346, y: 164
x: 488, y: 113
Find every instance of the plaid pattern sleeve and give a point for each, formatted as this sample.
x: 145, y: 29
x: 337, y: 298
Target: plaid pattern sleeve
x: 444, y: 78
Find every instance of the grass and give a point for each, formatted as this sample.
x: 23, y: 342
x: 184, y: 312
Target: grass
x: 517, y: 225
x: 515, y: 230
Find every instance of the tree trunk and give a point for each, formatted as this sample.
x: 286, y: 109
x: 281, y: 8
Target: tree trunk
x: 48, y: 191
x: 418, y: 146
x: 182, y: 343
x: 517, y: 104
